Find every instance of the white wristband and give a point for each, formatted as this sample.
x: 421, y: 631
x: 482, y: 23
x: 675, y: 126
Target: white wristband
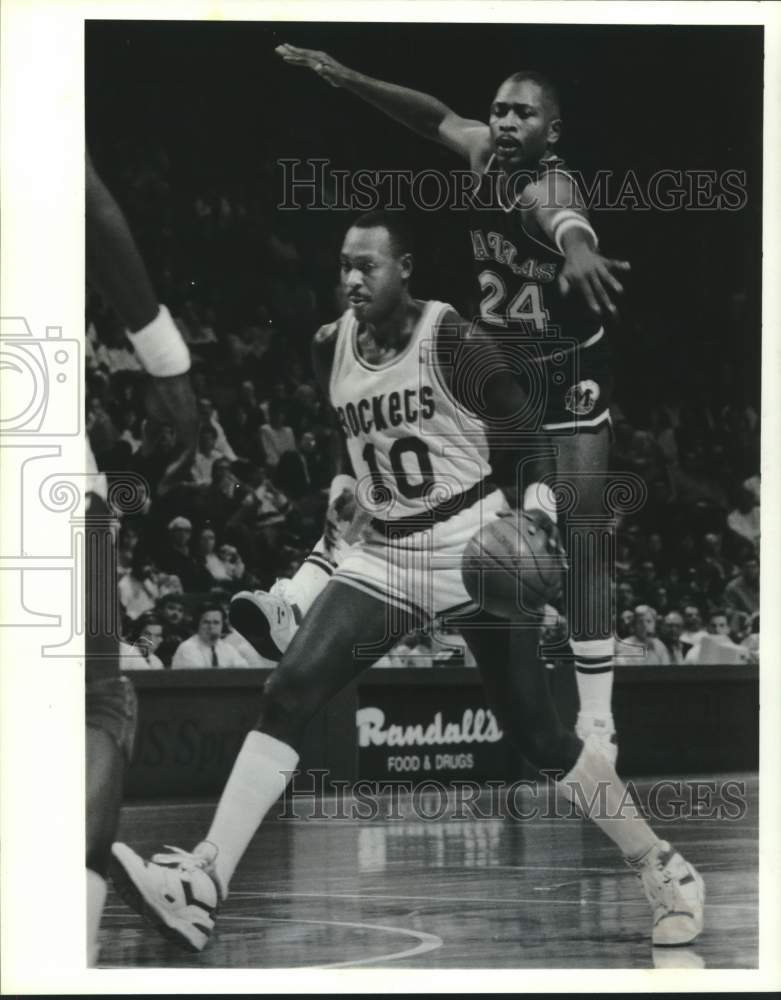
x: 339, y: 484
x: 539, y: 496
x: 574, y: 223
x: 160, y: 347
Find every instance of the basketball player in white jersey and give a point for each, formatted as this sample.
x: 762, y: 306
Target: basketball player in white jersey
x: 538, y: 268
x: 115, y: 267
x: 398, y: 373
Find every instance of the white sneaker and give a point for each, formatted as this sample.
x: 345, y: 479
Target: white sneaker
x: 175, y: 892
x: 676, y: 892
x: 600, y: 732
x: 266, y: 620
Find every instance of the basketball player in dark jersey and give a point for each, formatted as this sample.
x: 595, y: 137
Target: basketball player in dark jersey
x: 542, y: 278
x: 410, y: 433
x: 115, y: 268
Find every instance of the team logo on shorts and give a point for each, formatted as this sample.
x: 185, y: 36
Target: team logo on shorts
x: 582, y: 398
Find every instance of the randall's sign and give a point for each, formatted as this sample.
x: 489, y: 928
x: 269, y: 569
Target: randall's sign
x: 421, y: 732
x: 478, y: 726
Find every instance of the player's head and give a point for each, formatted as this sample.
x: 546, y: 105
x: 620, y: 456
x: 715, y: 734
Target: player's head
x: 376, y: 265
x: 525, y: 119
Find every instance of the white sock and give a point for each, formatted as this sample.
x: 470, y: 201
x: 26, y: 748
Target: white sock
x: 594, y: 677
x: 594, y: 785
x: 259, y: 776
x: 305, y: 586
x: 96, y: 897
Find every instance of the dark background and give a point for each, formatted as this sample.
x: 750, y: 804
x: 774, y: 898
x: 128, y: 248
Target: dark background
x: 223, y: 107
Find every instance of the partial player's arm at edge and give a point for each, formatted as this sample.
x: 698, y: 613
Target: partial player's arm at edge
x: 424, y: 114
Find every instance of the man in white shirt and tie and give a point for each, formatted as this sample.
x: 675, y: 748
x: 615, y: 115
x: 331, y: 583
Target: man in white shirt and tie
x: 207, y: 648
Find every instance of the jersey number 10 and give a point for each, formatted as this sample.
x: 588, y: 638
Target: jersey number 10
x: 411, y: 489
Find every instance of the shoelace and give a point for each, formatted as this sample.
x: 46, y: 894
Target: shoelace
x: 185, y: 860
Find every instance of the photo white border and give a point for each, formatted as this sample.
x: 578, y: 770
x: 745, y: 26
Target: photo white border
x: 41, y: 708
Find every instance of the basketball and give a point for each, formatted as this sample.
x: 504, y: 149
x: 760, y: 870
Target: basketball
x: 512, y: 566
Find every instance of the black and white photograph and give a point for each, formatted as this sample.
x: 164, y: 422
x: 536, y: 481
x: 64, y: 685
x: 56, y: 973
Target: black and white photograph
x: 408, y: 605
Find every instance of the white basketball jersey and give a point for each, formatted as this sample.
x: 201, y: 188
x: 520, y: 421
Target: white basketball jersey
x: 406, y: 435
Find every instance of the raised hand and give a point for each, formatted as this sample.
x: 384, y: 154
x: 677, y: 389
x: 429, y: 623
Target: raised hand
x: 320, y: 62
x: 593, y: 277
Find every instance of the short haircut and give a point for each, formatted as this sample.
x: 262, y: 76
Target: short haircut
x: 398, y: 230
x: 718, y: 613
x: 547, y: 86
x: 204, y: 609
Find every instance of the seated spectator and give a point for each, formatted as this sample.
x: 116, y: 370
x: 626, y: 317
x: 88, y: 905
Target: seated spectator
x: 139, y: 589
x: 751, y: 642
x: 642, y: 648
x: 206, y: 455
x: 170, y: 612
x: 209, y: 416
x: 207, y: 648
x: 270, y: 499
x: 129, y: 429
x: 206, y: 555
x: 102, y: 433
x: 233, y: 563
x: 625, y: 623
x: 303, y: 471
x: 126, y: 546
x: 739, y: 626
x: 670, y: 634
x: 714, y: 570
x: 131, y: 658
x: 276, y: 436
x: 742, y: 592
x: 692, y: 626
x: 716, y: 647
x: 146, y: 637
x: 175, y: 557
x: 625, y: 597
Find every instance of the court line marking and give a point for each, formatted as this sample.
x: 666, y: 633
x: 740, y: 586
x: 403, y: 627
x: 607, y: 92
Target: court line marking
x: 467, y: 899
x: 426, y: 942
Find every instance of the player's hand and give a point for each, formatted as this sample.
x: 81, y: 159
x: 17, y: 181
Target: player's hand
x: 172, y: 401
x: 593, y: 277
x: 322, y: 64
x: 338, y: 518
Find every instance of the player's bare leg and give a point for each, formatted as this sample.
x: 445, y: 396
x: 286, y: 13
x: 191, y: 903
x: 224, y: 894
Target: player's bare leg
x: 585, y: 455
x: 517, y: 688
x: 180, y: 891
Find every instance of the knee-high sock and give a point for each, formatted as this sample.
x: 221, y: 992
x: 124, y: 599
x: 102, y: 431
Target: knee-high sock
x: 260, y: 775
x: 594, y: 677
x: 312, y: 576
x: 594, y: 786
x: 96, y: 897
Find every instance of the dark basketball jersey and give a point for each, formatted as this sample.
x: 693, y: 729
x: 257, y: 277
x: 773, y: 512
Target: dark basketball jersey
x: 518, y: 273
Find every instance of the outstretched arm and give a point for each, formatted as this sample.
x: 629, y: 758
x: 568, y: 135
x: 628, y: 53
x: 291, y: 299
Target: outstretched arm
x: 557, y: 209
x: 420, y: 112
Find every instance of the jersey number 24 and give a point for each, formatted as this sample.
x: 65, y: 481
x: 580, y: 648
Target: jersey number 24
x: 526, y: 307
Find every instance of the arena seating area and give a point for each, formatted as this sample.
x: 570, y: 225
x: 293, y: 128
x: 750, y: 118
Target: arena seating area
x: 248, y: 295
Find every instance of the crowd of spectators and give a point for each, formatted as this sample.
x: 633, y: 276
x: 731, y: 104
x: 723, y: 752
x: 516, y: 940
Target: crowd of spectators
x: 247, y: 296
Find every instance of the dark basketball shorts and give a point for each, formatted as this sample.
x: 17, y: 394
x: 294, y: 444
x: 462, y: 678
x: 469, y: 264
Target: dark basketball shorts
x: 111, y: 706
x: 577, y: 385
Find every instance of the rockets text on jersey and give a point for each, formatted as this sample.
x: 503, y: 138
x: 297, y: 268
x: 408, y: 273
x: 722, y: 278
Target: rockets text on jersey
x: 412, y: 445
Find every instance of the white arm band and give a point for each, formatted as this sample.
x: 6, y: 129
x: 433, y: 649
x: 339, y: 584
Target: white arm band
x: 339, y: 484
x: 568, y: 219
x: 160, y: 347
